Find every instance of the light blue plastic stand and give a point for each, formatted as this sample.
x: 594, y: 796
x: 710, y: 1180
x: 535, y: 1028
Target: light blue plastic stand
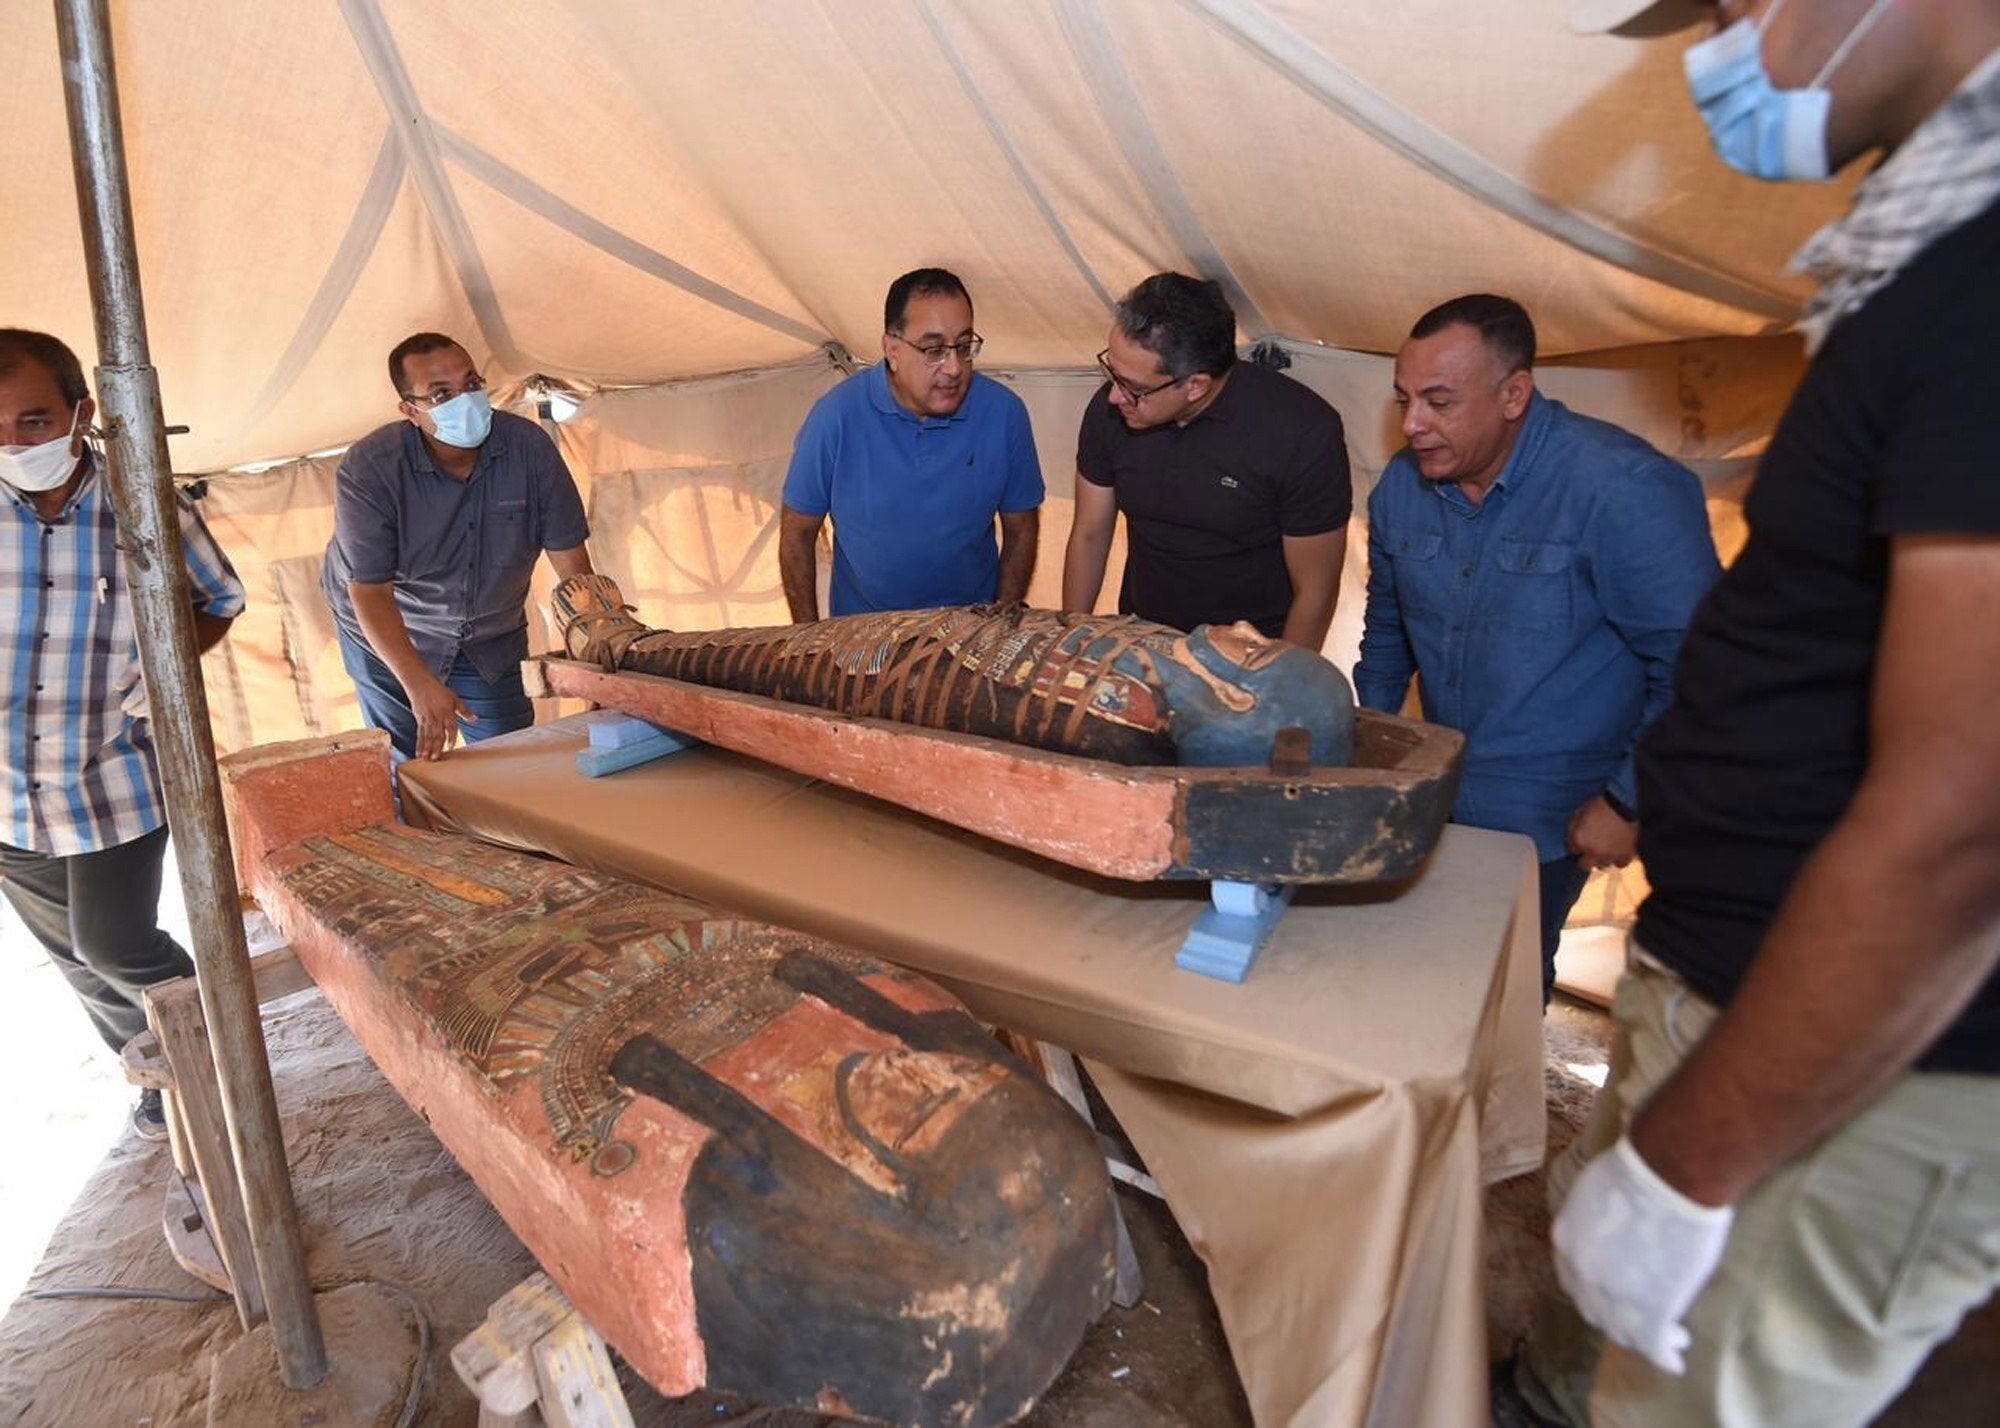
x: 1227, y: 937
x: 618, y: 741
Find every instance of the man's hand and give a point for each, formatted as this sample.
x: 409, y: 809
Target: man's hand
x: 1600, y: 838
x: 438, y: 711
x: 1632, y: 1253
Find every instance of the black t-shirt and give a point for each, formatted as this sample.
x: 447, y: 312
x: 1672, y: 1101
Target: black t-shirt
x: 1207, y: 505
x: 1894, y: 430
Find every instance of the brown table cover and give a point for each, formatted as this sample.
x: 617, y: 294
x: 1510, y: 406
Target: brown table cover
x: 1322, y: 1131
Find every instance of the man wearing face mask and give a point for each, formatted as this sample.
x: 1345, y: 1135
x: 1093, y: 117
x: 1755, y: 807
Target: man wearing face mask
x: 438, y: 520
x: 85, y: 838
x: 1790, y: 1190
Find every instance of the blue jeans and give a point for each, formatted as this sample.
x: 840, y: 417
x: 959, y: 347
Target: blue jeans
x: 1562, y: 882
x: 500, y: 706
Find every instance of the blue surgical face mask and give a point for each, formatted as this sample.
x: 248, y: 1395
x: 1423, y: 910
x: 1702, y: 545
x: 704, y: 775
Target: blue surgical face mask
x: 1758, y: 128
x: 463, y: 421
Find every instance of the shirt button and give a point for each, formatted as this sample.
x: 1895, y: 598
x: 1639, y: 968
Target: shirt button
x: 49, y: 584
x: 1467, y: 572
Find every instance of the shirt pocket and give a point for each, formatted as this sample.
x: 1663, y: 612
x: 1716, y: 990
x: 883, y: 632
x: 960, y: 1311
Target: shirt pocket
x: 1419, y: 577
x: 509, y: 535
x: 1532, y: 587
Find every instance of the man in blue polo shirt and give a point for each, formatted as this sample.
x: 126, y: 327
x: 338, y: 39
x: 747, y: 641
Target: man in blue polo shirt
x: 913, y: 458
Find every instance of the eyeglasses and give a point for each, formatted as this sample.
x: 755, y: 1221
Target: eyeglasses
x: 437, y: 397
x: 1132, y: 393
x: 934, y: 353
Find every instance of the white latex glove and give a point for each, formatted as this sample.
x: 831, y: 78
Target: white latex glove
x: 1632, y: 1253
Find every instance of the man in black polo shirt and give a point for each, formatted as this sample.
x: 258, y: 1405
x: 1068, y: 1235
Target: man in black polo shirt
x: 438, y: 521
x: 1232, y: 478
x: 1798, y: 1190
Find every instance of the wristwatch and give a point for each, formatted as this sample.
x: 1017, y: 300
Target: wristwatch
x: 1619, y: 806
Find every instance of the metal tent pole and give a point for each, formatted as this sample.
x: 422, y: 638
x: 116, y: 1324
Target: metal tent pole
x: 141, y: 482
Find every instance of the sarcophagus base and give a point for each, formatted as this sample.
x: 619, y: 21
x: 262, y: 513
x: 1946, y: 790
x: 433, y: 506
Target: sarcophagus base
x: 755, y: 1161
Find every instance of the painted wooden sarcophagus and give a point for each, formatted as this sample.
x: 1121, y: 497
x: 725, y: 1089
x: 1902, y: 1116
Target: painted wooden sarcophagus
x: 1111, y: 744
x: 756, y: 1161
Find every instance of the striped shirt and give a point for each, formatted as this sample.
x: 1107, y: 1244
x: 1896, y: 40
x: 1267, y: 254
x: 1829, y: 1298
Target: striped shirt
x: 76, y: 747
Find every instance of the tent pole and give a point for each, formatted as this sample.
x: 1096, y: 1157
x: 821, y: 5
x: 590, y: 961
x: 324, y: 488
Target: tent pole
x: 141, y: 484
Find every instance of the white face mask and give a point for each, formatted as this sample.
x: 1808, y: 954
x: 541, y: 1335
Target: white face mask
x: 1758, y: 128
x: 41, y: 467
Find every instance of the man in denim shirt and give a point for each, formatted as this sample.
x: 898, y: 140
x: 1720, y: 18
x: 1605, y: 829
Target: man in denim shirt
x: 1536, y: 570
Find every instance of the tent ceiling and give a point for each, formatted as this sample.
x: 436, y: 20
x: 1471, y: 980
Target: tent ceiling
x: 625, y: 191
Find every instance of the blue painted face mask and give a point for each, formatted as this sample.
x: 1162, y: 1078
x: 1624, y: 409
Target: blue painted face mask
x: 1288, y: 687
x: 1756, y: 127
x: 463, y: 421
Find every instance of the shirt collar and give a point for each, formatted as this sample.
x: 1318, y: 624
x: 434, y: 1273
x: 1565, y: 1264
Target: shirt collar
x: 1534, y: 431
x: 1223, y: 408
x: 423, y: 461
x: 883, y: 400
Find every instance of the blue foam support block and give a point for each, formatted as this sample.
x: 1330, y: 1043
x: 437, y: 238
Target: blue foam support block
x: 1228, y: 935
x: 597, y: 762
x: 618, y: 731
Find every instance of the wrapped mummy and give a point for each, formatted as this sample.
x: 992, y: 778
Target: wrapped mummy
x: 1107, y: 687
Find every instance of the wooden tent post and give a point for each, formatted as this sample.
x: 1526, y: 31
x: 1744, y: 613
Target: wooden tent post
x: 141, y: 486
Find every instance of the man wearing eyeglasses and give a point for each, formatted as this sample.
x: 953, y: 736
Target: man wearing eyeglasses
x: 913, y: 458
x: 1789, y: 1190
x: 1232, y: 477
x: 438, y: 521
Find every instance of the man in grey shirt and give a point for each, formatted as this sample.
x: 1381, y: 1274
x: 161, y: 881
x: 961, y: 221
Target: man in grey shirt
x: 438, y: 519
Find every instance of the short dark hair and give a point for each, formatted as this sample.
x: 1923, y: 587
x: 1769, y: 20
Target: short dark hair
x: 20, y: 345
x: 414, y: 345
x: 1502, y: 324
x: 919, y: 282
x: 1185, y: 322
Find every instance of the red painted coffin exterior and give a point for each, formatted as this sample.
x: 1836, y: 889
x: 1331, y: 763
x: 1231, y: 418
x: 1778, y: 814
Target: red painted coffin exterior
x: 755, y: 1161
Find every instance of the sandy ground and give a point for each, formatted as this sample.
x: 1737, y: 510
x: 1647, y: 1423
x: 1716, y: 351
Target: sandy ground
x: 84, y: 1198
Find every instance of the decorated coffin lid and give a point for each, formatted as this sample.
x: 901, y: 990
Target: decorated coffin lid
x: 756, y: 1160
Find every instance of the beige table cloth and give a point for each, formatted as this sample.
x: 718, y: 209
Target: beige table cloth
x: 1322, y: 1131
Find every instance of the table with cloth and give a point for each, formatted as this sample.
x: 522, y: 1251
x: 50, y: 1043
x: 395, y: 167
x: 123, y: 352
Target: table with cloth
x: 1322, y: 1132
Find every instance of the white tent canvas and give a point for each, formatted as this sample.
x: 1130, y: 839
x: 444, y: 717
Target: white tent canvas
x: 689, y: 212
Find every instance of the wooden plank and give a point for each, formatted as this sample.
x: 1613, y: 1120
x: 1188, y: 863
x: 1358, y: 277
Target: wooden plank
x: 184, y: 1218
x: 177, y: 1137
x: 527, y: 1418
x: 278, y: 974
x: 143, y: 1063
x: 579, y: 1388
x: 496, y: 1360
x: 175, y: 1015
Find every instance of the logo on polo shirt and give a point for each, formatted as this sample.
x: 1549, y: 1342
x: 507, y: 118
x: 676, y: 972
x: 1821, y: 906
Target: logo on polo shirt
x: 1230, y: 482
